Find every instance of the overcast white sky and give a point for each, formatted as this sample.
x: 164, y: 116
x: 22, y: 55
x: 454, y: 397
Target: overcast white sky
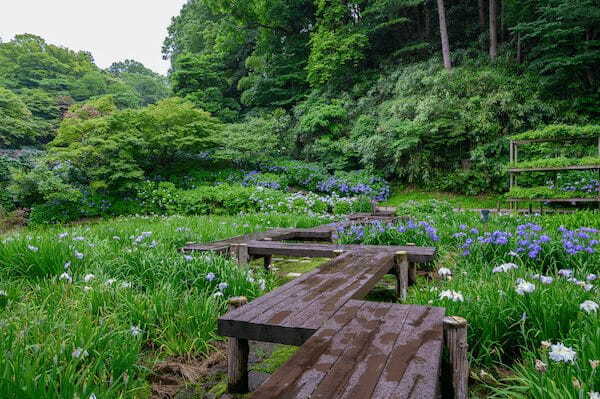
x: 112, y: 30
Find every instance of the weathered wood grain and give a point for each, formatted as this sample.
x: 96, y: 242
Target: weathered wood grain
x: 262, y: 248
x: 237, y: 356
x: 366, y: 350
x: 293, y: 312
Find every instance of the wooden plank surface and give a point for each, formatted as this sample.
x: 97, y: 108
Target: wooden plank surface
x: 319, y: 233
x: 261, y: 248
x: 291, y: 313
x: 366, y: 350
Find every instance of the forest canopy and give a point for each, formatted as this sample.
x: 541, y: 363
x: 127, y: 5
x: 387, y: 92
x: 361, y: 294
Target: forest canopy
x: 48, y: 79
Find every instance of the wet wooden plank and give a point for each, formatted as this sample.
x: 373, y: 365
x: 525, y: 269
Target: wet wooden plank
x: 300, y: 284
x: 299, y: 376
x: 413, y: 367
x: 318, y: 233
x: 224, y: 244
x: 322, y: 300
x: 262, y: 248
x: 375, y: 266
x: 293, y: 312
x: 366, y: 350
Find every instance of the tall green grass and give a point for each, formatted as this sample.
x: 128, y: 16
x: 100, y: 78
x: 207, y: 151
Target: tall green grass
x: 129, y: 299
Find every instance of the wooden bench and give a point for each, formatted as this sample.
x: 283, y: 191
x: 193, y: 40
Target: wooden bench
x: 366, y: 350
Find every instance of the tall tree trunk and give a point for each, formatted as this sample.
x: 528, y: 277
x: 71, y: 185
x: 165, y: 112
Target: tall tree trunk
x: 481, y: 14
x: 501, y: 21
x: 427, y: 20
x: 493, y: 31
x: 444, y: 35
x: 519, y: 48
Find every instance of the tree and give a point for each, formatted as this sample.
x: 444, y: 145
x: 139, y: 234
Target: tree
x: 201, y: 79
x: 444, y: 35
x: 16, y: 128
x: 561, y: 40
x: 118, y: 149
x: 263, y: 145
x: 493, y: 30
x: 129, y: 66
x: 481, y: 8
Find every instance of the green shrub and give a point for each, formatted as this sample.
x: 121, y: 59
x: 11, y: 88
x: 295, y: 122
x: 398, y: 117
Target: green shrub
x: 559, y: 132
x: 159, y: 198
x: 118, y: 150
x: 223, y: 199
x: 557, y: 162
x: 267, y: 180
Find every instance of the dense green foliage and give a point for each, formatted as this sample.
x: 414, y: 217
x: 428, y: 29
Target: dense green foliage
x: 557, y: 132
x: 118, y: 149
x: 363, y: 88
x: 557, y: 162
x: 547, y: 193
x: 40, y: 81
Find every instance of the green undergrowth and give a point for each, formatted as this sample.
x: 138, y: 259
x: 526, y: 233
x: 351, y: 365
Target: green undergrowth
x: 553, y: 132
x: 279, y: 356
x: 401, y: 196
x: 557, y: 162
x: 546, y: 193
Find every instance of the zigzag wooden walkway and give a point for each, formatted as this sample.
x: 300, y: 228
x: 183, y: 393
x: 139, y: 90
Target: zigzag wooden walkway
x: 349, y: 348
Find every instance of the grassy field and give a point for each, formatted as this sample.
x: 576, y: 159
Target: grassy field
x: 402, y: 195
x: 86, y: 311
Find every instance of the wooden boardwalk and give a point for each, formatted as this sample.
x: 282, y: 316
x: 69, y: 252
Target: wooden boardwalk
x: 367, y: 350
x: 349, y: 348
x: 293, y: 312
x: 320, y: 233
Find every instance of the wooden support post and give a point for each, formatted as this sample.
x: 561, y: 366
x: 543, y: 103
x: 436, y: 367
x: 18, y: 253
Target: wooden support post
x: 455, y: 337
x: 373, y: 207
x: 412, y: 268
x: 268, y: 261
x: 338, y: 252
x: 237, y: 356
x: 240, y: 253
x: 401, y: 266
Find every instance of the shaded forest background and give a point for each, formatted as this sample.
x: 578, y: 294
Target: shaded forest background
x: 418, y: 92
x: 361, y: 83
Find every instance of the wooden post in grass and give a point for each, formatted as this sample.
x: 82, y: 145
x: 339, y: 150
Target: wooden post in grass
x: 412, y: 267
x: 237, y: 356
x: 240, y: 253
x: 455, y: 337
x: 268, y: 258
x: 373, y: 207
x: 268, y: 261
x: 401, y: 266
